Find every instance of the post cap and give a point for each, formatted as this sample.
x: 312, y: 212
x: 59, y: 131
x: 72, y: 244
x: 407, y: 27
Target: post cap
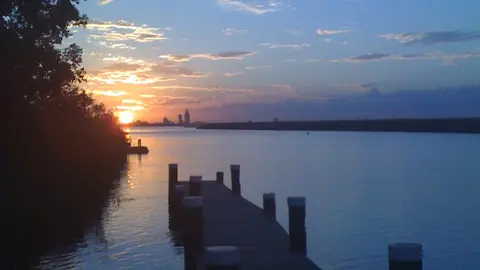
x: 296, y: 201
x: 173, y: 166
x: 269, y: 196
x: 406, y: 252
x: 195, y: 178
x: 219, y: 172
x: 192, y: 202
x: 222, y: 256
x: 234, y: 167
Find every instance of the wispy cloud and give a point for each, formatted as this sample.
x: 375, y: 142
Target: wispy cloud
x: 256, y: 67
x: 232, y: 55
x: 132, y: 101
x: 326, y: 32
x: 147, y: 95
x: 175, y: 100
x: 313, y: 60
x: 132, y: 71
x: 258, y: 9
x: 122, y: 59
x: 104, y: 2
x: 434, y: 37
x: 176, y: 70
x: 130, y: 108
x: 285, y: 46
x: 121, y: 46
x: 231, y: 74
x: 232, y: 31
x: 365, y: 58
x: 123, y: 67
x: 447, y: 58
x: 124, y: 31
x: 109, y: 93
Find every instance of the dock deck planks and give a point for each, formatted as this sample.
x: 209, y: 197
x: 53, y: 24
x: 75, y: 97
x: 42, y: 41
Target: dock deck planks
x: 231, y: 220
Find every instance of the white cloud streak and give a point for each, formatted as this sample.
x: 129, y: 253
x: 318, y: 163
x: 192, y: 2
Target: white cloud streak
x: 285, y: 46
x: 232, y: 31
x: 327, y: 32
x: 258, y: 9
x: 232, y: 55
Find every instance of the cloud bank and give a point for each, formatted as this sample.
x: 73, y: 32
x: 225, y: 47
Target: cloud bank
x: 124, y: 31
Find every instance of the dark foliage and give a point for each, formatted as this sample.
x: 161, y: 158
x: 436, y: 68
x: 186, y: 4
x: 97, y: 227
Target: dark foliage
x: 62, y: 153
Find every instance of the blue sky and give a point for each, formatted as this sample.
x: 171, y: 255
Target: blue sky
x: 157, y: 57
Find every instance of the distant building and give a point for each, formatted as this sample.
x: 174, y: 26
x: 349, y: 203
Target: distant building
x: 165, y: 120
x: 187, y: 117
x: 180, y: 119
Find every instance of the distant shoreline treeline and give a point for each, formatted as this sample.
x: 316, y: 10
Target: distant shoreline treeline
x: 62, y: 153
x: 445, y: 125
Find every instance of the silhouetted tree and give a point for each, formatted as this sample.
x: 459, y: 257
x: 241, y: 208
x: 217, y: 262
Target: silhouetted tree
x: 62, y: 151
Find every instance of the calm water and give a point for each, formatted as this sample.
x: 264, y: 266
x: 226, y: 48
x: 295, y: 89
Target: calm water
x: 364, y: 190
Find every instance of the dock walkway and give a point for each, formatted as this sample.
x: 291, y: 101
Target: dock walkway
x: 234, y: 221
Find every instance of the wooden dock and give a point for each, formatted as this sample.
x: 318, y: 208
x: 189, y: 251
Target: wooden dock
x: 234, y: 221
x: 221, y: 230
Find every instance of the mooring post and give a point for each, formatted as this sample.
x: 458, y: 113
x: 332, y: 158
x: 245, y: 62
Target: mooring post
x: 139, y: 142
x: 172, y: 181
x: 296, y: 224
x: 193, y: 230
x: 195, y: 185
x: 235, y: 171
x: 220, y: 177
x: 179, y: 194
x: 176, y: 208
x: 269, y: 206
x: 405, y: 256
x: 222, y: 258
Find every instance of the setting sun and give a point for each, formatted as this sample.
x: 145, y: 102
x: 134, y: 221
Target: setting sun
x: 125, y: 117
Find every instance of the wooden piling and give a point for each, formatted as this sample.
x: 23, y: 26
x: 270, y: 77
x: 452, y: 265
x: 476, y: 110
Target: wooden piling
x: 219, y: 177
x: 222, y: 258
x: 269, y: 205
x: 296, y: 224
x: 193, y: 230
x: 405, y: 256
x: 172, y: 181
x: 195, y: 185
x: 179, y: 194
x: 235, y: 172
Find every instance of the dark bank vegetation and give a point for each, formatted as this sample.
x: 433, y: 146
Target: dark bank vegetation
x: 453, y: 125
x: 61, y: 153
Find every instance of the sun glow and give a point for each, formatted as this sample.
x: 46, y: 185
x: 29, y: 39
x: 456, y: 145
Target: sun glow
x: 125, y: 117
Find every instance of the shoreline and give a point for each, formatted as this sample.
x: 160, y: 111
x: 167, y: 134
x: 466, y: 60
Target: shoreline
x: 430, y: 125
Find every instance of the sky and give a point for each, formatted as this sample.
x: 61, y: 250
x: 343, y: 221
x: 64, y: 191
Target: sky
x: 158, y: 57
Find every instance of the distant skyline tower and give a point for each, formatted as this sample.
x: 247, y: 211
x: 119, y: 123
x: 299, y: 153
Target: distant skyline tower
x: 187, y: 117
x: 180, y: 119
